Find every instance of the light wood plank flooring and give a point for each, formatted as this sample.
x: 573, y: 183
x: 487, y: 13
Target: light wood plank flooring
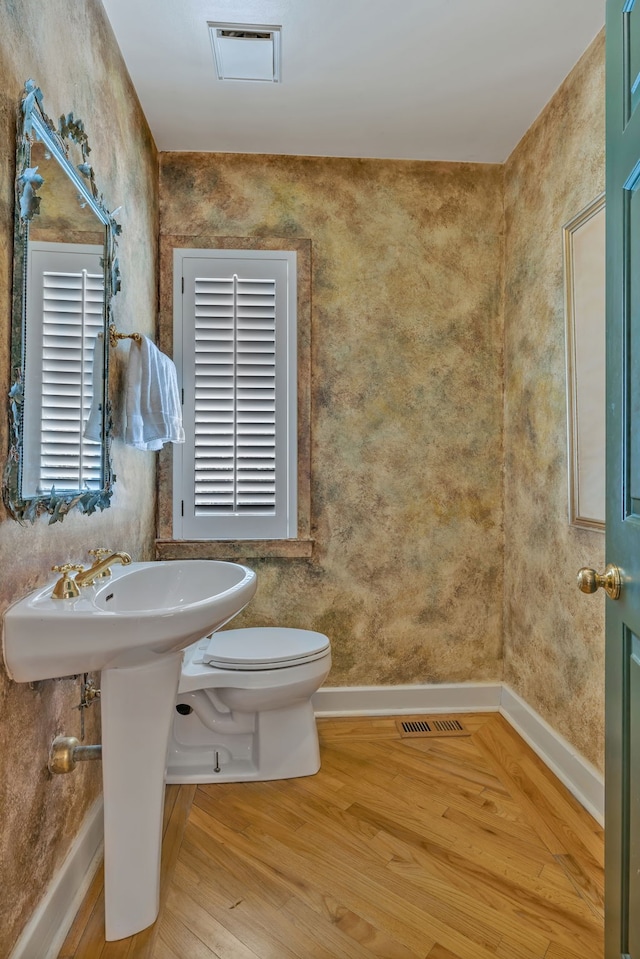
x: 448, y: 848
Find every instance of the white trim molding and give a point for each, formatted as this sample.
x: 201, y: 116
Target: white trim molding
x: 582, y: 779
x: 47, y: 928
x: 404, y: 700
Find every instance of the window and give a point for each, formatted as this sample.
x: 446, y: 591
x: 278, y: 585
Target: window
x: 235, y: 477
x: 66, y: 294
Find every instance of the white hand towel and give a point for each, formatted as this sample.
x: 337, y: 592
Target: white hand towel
x: 154, y: 412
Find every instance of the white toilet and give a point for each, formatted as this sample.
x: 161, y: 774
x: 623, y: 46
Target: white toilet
x: 244, y: 709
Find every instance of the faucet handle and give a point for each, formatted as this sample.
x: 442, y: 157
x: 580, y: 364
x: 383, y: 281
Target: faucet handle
x: 99, y: 553
x: 66, y: 588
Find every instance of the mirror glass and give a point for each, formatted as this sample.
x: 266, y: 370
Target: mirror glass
x: 65, y: 274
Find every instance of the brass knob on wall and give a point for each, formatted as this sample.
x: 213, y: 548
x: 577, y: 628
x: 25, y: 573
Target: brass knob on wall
x: 611, y: 581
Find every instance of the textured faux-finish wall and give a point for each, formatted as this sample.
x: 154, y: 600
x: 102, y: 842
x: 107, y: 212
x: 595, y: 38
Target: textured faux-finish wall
x: 406, y: 575
x: 554, y: 635
x: 69, y: 50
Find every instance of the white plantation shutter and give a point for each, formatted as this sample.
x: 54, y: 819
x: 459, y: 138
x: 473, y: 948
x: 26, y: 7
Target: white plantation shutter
x: 235, y: 395
x: 237, y: 475
x: 59, y: 382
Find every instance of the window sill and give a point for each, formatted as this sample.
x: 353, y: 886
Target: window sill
x: 234, y: 549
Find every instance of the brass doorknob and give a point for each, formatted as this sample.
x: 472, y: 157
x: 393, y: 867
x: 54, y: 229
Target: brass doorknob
x: 611, y: 581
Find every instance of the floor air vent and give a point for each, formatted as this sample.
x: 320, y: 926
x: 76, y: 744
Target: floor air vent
x: 443, y: 726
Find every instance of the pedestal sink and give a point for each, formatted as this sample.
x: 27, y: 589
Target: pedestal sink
x: 132, y: 626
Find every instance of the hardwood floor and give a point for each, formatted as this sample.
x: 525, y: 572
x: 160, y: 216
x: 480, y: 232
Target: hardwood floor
x: 444, y: 848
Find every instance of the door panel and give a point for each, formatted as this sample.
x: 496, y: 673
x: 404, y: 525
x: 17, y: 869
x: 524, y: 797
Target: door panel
x: 622, y: 764
x: 631, y: 280
x: 631, y: 780
x: 631, y: 57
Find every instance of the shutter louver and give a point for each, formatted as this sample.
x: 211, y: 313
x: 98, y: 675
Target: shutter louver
x: 235, y: 396
x: 72, y: 318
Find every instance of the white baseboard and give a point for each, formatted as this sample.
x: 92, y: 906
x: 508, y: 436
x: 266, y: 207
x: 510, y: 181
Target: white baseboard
x: 405, y: 700
x: 44, y: 934
x: 582, y: 779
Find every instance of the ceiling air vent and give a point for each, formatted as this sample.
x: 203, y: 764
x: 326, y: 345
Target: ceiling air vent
x: 246, y: 52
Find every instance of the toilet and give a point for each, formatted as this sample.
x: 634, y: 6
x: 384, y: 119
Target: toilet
x: 243, y: 710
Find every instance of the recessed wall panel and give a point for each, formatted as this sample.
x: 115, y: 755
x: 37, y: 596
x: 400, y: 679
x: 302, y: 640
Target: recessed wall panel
x: 631, y: 58
x: 632, y: 363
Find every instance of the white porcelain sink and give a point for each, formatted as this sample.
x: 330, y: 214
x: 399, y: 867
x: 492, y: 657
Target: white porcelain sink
x: 142, y: 611
x: 132, y: 626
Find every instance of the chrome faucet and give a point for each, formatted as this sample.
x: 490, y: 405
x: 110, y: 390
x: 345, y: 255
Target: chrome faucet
x: 88, y: 576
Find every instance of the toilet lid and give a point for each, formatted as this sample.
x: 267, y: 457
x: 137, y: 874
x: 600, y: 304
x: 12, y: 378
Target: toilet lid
x: 264, y: 647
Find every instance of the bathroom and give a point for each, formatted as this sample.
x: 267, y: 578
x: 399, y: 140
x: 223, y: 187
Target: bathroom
x: 438, y: 431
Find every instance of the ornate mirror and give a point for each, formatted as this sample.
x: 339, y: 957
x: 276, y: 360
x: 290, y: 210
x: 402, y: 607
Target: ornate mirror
x: 65, y: 272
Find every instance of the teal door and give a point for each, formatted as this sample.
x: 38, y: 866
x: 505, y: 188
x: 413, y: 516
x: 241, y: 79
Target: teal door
x: 622, y: 765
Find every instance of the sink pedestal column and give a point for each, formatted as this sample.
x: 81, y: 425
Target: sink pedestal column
x: 137, y: 711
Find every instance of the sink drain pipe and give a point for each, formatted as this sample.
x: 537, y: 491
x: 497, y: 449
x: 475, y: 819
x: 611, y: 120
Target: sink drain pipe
x: 66, y: 752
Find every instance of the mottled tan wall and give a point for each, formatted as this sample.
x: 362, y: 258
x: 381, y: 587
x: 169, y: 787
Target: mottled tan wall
x: 406, y: 401
x: 68, y: 48
x: 554, y: 639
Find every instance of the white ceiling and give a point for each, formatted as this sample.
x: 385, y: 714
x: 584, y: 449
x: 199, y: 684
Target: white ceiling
x: 406, y: 79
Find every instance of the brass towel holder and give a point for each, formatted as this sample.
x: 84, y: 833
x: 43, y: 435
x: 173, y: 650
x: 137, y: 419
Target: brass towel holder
x: 114, y: 336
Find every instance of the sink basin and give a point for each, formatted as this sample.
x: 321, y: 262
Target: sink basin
x: 140, y: 612
x: 132, y: 626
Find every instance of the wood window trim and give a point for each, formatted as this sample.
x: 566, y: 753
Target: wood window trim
x: 302, y: 546
x: 239, y: 549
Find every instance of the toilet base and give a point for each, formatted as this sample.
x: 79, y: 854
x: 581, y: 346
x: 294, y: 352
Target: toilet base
x: 271, y: 744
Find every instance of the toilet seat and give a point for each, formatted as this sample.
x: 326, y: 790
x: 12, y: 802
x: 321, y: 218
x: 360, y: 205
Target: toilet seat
x: 264, y: 648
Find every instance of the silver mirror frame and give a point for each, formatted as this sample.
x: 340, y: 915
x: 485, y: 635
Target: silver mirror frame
x: 34, y: 125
